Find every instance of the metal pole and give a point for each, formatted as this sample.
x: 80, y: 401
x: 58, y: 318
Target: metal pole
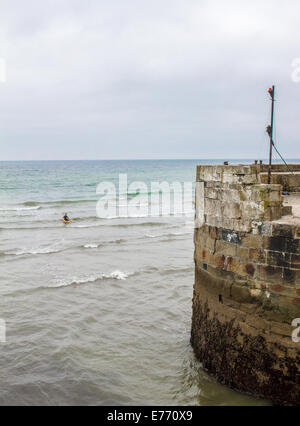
x: 272, y: 93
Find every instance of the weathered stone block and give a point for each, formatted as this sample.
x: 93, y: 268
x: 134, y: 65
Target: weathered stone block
x: 253, y: 241
x: 231, y: 236
x: 281, y: 329
x: 231, y: 210
x: 254, y: 283
x: 280, y: 230
x: 234, y: 265
x: 278, y: 258
x: 266, y: 229
x: 287, y: 210
x: 210, y: 243
x: 218, y: 260
x: 213, y: 184
x: 275, y: 196
x: 289, y: 276
x: 202, y: 255
x: 212, y: 207
x: 237, y: 179
x: 292, y: 245
x: 199, y: 200
x: 209, y: 173
x: 228, y: 249
x: 277, y: 288
x: 214, y: 232
x: 219, y: 222
x: 273, y: 213
x: 295, y: 261
x: 212, y: 193
x: 274, y: 243
x: 250, y: 269
x: 200, y: 237
x: 203, y: 239
x: 241, y: 294
x: 252, y: 210
x: 257, y: 255
x: 270, y: 273
x: 221, y: 273
x: 251, y: 194
x: 242, y: 253
x: 282, y: 244
x: 250, y: 179
x: 241, y: 268
x: 242, y: 225
x: 231, y: 195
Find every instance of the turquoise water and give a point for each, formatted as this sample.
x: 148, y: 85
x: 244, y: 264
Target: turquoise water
x: 98, y: 311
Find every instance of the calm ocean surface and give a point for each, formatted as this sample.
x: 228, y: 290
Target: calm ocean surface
x: 97, y: 311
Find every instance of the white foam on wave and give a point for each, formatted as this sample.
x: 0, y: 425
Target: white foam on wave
x: 94, y: 245
x: 181, y: 233
x: 130, y: 216
x: 19, y: 209
x: 85, y: 226
x: 56, y: 248
x: 116, y: 275
x: 45, y: 250
x: 168, y: 234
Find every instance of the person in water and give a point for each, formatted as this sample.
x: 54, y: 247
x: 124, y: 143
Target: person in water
x: 66, y: 217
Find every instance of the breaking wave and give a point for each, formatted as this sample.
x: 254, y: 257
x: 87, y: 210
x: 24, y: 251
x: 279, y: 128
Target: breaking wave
x: 115, y: 275
x: 56, y: 249
x: 45, y: 250
x: 169, y: 235
x: 94, y: 245
x: 57, y: 202
x: 19, y: 209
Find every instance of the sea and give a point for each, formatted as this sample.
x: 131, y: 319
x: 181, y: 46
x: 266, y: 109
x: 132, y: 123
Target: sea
x: 98, y: 311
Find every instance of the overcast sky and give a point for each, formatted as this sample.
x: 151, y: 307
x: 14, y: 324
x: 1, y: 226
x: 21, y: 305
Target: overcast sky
x: 114, y: 79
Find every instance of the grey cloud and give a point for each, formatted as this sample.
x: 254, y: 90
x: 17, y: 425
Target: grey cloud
x: 137, y: 79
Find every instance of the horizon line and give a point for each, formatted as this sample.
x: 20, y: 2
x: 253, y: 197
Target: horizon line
x: 155, y: 159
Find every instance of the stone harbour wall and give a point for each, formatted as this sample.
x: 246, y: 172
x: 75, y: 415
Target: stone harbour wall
x: 247, y: 283
x: 290, y: 181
